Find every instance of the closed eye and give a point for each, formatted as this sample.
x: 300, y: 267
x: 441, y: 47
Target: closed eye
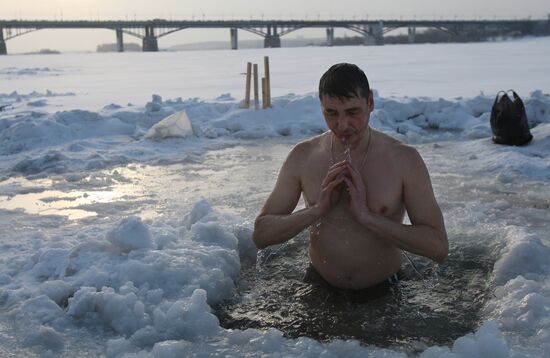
x: 330, y: 113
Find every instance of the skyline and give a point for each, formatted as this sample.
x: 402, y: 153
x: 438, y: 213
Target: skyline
x: 87, y: 40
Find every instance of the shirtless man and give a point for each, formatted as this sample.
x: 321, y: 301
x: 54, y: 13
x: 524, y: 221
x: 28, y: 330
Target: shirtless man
x: 355, y: 206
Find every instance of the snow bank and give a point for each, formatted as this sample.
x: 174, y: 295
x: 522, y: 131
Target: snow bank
x: 34, y: 143
x: 521, y: 302
x: 34, y: 71
x: 146, y: 282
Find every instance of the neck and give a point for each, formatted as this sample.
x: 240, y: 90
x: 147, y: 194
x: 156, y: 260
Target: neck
x: 355, y: 153
x: 359, y: 145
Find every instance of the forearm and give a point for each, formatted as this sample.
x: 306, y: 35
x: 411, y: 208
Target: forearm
x: 276, y: 229
x: 422, y: 240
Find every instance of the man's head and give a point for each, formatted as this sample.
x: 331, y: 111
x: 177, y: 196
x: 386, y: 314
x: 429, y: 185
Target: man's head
x: 344, y: 81
x: 347, y: 102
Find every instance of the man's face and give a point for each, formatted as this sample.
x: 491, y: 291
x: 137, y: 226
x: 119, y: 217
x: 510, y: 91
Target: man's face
x: 347, y: 118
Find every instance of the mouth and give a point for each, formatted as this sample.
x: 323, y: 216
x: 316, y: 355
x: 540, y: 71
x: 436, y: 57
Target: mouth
x: 344, y: 139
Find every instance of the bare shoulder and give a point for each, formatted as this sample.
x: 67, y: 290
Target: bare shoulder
x: 302, y: 151
x: 390, y: 146
x: 401, y: 155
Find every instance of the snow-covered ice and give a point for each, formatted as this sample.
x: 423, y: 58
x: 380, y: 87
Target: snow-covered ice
x: 119, y: 243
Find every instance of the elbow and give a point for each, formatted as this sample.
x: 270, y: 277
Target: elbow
x: 259, y: 244
x: 257, y: 235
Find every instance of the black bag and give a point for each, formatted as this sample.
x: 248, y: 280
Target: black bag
x: 509, y: 121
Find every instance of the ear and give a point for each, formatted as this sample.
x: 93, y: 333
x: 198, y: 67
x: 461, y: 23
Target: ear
x: 370, y: 101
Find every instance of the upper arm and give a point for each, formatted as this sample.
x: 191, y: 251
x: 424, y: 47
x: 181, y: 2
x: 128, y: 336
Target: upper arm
x: 419, y: 198
x: 286, y: 193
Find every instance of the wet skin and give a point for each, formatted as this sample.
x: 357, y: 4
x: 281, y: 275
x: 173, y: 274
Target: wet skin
x: 354, y: 207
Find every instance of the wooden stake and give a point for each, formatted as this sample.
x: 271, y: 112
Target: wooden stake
x: 267, y: 82
x: 247, y: 90
x: 264, y: 93
x: 256, y: 96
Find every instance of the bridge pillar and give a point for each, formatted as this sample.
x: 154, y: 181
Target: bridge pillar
x: 330, y: 36
x: 378, y: 33
x: 546, y: 28
x: 368, y: 39
x: 150, y: 43
x: 412, y: 35
x: 276, y: 41
x: 272, y: 40
x: 234, y: 38
x: 3, y: 49
x: 119, y: 41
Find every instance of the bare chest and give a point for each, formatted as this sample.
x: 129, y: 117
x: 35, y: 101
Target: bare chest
x: 382, y: 179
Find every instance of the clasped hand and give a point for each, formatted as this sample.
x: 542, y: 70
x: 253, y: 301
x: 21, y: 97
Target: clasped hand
x: 341, y: 175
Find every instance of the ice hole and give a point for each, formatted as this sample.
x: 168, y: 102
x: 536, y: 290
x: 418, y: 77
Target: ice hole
x: 431, y: 305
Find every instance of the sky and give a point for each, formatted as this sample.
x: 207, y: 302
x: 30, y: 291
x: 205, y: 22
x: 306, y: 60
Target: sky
x: 87, y: 40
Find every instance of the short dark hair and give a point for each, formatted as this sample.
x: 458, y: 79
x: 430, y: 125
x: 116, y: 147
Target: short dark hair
x: 344, y: 80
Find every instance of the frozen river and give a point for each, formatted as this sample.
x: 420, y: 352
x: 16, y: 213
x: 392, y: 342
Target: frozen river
x: 118, y: 245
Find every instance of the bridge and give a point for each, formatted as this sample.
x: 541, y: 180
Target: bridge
x: 149, y: 31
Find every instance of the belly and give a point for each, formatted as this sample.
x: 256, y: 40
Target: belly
x: 349, y: 256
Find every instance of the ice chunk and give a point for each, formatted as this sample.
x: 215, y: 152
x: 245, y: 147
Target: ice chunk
x: 189, y: 319
x: 175, y: 125
x: 41, y: 308
x: 212, y: 233
x: 200, y: 211
x: 526, y: 256
x: 56, y: 290
x: 46, y: 338
x: 123, y: 311
x: 130, y: 234
x: 486, y: 342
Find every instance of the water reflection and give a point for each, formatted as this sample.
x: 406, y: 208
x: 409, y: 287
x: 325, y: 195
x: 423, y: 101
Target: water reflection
x: 72, y: 200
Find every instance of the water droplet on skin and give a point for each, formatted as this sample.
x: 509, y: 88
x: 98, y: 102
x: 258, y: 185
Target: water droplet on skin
x: 347, y: 153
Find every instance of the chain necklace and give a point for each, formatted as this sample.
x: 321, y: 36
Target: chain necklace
x: 348, y: 150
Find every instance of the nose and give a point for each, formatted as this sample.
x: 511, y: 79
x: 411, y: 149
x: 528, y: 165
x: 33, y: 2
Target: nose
x: 342, y: 124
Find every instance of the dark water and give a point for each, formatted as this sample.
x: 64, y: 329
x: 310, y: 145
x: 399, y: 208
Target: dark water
x: 432, y: 304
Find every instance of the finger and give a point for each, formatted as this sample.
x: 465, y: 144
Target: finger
x: 342, y: 162
x: 351, y: 186
x: 333, y: 184
x: 333, y: 173
x: 355, y: 176
x: 337, y: 166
